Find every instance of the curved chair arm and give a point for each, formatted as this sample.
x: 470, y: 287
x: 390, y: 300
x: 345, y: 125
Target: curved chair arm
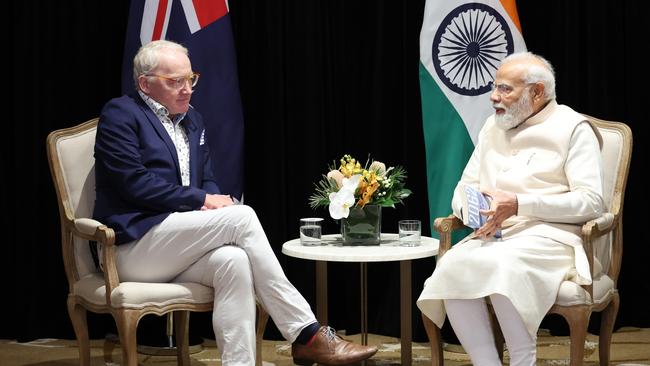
x: 87, y: 226
x: 599, y: 226
x: 445, y: 226
x: 94, y: 230
x: 591, y: 230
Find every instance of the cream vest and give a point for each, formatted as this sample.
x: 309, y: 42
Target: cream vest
x: 530, y: 159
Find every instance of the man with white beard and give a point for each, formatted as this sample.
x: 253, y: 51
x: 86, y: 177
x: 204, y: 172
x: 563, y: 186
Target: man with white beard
x: 539, y: 163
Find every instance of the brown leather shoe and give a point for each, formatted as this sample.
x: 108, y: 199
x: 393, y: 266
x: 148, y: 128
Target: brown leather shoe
x: 329, y: 349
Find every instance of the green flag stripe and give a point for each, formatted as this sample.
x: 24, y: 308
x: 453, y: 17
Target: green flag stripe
x: 448, y: 147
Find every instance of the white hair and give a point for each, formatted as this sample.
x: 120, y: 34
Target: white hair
x: 534, y: 73
x: 148, y: 56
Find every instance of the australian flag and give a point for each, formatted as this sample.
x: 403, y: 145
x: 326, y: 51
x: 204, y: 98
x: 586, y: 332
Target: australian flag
x: 203, y: 27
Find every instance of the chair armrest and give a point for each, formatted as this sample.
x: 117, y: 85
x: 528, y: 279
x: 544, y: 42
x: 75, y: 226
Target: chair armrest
x: 94, y: 230
x: 87, y: 226
x: 445, y: 226
x: 591, y: 230
x: 598, y: 227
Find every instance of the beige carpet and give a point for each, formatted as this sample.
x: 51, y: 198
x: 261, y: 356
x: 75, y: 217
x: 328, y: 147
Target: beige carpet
x: 631, y: 346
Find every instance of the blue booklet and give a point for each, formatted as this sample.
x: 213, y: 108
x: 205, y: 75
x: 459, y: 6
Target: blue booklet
x: 473, y: 202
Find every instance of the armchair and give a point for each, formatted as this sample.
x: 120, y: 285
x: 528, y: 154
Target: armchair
x: 603, y: 243
x: 70, y: 156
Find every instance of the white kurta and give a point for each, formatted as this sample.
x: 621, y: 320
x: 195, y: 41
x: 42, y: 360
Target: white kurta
x: 552, y: 163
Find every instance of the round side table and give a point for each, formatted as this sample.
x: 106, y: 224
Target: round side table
x: 333, y: 250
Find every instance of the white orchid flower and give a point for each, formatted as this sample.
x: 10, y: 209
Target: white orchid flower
x: 351, y: 183
x: 341, y: 201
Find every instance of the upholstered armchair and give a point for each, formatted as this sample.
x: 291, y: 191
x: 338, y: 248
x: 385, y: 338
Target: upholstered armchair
x: 70, y: 156
x: 603, y: 243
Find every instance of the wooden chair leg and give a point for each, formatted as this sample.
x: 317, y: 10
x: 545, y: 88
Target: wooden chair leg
x: 606, y: 328
x: 578, y: 319
x: 182, y: 329
x: 262, y: 319
x: 433, y: 332
x: 127, y: 323
x: 80, y: 325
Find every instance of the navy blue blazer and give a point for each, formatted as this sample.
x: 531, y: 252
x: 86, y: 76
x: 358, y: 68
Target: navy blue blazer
x: 138, y: 179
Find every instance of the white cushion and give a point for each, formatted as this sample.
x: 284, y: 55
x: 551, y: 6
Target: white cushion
x: 611, y: 155
x: 137, y: 295
x: 83, y: 258
x: 572, y: 294
x: 597, y: 269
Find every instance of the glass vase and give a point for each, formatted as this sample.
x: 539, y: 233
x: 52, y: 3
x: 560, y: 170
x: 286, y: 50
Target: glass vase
x: 362, y: 226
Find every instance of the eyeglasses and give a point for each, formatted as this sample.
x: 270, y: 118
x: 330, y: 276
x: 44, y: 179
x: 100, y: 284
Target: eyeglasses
x: 502, y: 89
x: 505, y: 89
x: 179, y: 82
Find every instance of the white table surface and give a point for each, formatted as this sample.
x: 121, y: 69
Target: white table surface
x: 333, y: 250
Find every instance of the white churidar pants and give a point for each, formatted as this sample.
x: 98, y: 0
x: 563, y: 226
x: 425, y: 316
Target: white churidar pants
x: 226, y: 249
x: 471, y: 322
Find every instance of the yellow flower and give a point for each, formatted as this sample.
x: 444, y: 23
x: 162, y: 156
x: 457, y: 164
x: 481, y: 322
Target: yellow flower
x: 350, y: 166
x: 369, y: 176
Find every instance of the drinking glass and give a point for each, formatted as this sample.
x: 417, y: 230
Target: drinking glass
x: 409, y: 233
x: 310, y: 231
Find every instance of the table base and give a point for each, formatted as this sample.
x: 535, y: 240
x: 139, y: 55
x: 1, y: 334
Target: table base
x: 405, y: 304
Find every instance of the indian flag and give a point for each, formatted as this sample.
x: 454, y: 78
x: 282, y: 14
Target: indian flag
x: 461, y: 45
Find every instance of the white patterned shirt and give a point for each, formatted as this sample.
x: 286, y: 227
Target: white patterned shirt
x: 176, y: 133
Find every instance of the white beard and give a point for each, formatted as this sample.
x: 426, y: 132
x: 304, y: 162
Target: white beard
x: 514, y: 115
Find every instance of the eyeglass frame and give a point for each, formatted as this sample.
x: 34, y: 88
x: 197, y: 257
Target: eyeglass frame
x: 179, y: 81
x: 505, y: 89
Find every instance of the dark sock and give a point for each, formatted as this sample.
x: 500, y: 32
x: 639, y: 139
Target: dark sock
x: 307, y: 333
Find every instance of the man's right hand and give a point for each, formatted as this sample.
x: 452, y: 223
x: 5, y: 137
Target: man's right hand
x: 214, y: 201
x: 502, y: 206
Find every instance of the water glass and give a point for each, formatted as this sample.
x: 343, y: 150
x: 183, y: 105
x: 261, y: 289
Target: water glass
x: 310, y: 231
x: 409, y: 233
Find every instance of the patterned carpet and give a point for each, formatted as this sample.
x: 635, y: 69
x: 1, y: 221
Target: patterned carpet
x: 631, y: 346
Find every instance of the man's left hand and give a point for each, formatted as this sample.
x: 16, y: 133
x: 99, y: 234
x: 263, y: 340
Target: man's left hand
x: 214, y: 201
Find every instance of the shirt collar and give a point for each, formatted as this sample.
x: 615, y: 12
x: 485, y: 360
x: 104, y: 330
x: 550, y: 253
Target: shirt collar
x: 542, y: 115
x: 160, y: 110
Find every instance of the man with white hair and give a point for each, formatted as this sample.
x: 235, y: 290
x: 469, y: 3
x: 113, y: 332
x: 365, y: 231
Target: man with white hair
x: 539, y: 163
x: 156, y: 188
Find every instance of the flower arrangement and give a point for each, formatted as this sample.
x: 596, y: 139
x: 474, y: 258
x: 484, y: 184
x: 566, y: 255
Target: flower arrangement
x: 351, y: 185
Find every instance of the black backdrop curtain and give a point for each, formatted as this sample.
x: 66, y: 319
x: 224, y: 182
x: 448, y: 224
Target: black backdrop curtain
x: 318, y: 79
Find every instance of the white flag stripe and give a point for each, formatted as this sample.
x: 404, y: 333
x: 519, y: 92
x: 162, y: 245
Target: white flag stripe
x: 472, y: 111
x: 148, y: 21
x: 149, y: 16
x: 190, y: 15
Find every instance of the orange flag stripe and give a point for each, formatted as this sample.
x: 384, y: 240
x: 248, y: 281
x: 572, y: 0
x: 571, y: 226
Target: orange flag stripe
x: 511, y: 8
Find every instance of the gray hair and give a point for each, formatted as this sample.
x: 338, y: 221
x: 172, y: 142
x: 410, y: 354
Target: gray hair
x: 534, y: 73
x: 148, y: 57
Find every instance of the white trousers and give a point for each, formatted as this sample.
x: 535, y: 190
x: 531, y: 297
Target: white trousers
x: 471, y: 323
x: 225, y: 249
